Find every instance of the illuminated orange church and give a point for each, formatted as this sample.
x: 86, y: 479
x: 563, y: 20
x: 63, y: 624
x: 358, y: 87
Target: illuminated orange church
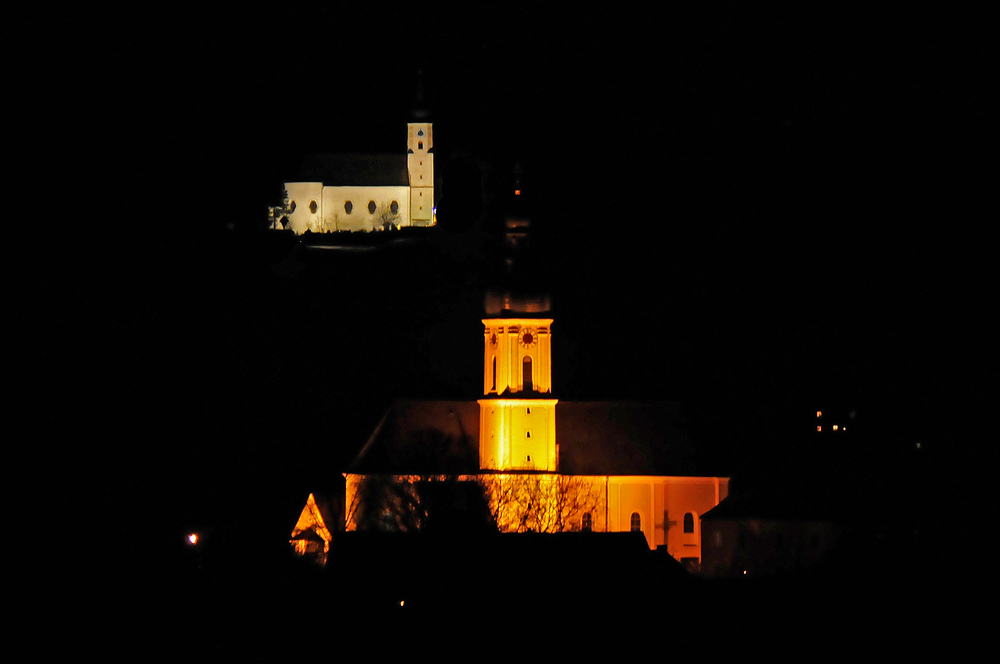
x: 536, y: 463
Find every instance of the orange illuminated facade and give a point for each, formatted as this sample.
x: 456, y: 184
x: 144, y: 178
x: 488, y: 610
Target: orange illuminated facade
x: 519, y: 456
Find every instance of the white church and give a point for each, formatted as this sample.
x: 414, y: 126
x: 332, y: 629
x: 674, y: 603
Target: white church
x: 351, y: 192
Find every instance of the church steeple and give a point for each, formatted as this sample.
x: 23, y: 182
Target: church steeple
x: 420, y: 161
x: 517, y: 415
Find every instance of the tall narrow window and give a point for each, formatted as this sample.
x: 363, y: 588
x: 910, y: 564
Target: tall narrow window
x: 494, y: 388
x: 526, y: 374
x: 635, y: 523
x: 587, y: 523
x: 689, y: 522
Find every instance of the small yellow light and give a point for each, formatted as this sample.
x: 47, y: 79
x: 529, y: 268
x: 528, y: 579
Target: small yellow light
x: 819, y: 428
x: 193, y: 538
x: 834, y: 427
x: 401, y: 602
x: 819, y: 413
x: 517, y: 192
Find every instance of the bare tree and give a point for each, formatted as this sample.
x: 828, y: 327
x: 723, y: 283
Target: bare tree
x: 387, y: 217
x: 543, y: 503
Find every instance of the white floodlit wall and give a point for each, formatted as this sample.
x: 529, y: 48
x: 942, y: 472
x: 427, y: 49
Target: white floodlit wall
x: 335, y: 207
x: 308, y: 200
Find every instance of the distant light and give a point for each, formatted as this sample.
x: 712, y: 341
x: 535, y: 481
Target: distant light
x: 517, y: 192
x: 744, y: 572
x: 918, y: 444
x: 819, y: 428
x: 193, y: 538
x: 834, y: 427
x: 819, y: 413
x: 402, y: 602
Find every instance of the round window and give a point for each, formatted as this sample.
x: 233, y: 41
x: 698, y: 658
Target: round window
x: 371, y: 207
x: 348, y: 207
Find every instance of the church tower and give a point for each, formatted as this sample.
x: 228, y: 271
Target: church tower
x: 517, y: 415
x: 420, y: 166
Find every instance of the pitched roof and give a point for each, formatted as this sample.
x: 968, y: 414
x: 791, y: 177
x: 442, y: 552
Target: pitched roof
x: 595, y: 438
x: 357, y: 170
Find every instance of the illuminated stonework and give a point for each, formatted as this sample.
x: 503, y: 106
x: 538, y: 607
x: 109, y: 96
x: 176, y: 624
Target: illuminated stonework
x: 519, y: 480
x: 398, y: 195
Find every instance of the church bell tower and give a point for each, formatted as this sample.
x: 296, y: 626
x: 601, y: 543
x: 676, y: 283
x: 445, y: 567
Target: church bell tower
x: 420, y: 166
x: 517, y: 414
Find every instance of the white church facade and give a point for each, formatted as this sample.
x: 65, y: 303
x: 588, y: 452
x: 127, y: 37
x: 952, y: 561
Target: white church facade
x: 362, y: 192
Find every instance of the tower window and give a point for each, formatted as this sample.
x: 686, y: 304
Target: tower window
x: 420, y: 145
x: 312, y: 206
x: 689, y: 522
x: 494, y: 387
x: 348, y: 207
x: 420, y: 132
x: 394, y: 207
x: 587, y: 523
x: 527, y: 434
x: 635, y: 523
x: 371, y: 207
x: 527, y: 411
x: 526, y: 374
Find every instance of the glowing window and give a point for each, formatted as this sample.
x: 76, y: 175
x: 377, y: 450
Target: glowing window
x: 689, y: 522
x: 587, y: 523
x: 834, y: 427
x: 394, y: 207
x: 371, y: 207
x: 635, y: 523
x: 819, y: 428
x: 312, y: 206
x: 348, y: 207
x: 819, y: 413
x: 526, y: 374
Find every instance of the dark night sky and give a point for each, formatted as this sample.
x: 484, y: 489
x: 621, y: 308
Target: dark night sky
x: 791, y: 203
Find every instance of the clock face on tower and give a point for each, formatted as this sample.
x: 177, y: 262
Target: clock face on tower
x: 527, y: 338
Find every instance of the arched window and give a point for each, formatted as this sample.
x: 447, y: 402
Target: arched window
x: 394, y: 207
x: 494, y: 388
x: 526, y: 374
x: 313, y: 206
x: 371, y: 207
x: 635, y: 523
x: 587, y: 523
x: 348, y: 207
x: 689, y: 522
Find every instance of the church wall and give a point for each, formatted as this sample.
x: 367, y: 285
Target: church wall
x: 336, y: 217
x: 661, y: 503
x: 306, y: 216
